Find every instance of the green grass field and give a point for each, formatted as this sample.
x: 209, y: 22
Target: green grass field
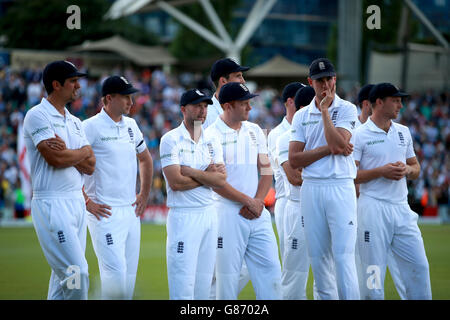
x: 25, y: 273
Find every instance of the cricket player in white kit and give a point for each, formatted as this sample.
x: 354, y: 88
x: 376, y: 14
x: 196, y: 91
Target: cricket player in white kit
x: 59, y: 155
x: 385, y: 158
x: 113, y: 207
x: 366, y: 111
x: 287, y: 96
x: 320, y: 144
x: 245, y: 229
x: 192, y: 164
x: 222, y: 71
x: 295, y: 259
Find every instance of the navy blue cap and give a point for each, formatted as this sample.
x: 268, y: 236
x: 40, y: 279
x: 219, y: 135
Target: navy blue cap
x: 304, y: 96
x: 363, y: 94
x: 116, y: 84
x: 234, y: 91
x: 321, y: 68
x: 224, y: 67
x: 194, y: 96
x: 383, y: 90
x: 60, y: 70
x: 290, y: 90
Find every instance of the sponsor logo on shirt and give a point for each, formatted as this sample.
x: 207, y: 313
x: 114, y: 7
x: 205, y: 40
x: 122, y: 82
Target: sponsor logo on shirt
x: 228, y: 142
x: 165, y: 156
x: 370, y: 143
x: 308, y: 123
x: 109, y: 138
x: 38, y: 130
x: 57, y: 125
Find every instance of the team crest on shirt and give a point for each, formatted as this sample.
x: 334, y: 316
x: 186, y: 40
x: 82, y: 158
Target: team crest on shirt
x: 334, y: 117
x: 210, y: 150
x: 252, y: 137
x: 402, y: 139
x: 130, y: 132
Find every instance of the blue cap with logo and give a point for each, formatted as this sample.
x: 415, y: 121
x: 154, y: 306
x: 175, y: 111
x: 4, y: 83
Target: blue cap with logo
x: 234, y: 91
x: 194, y: 96
x: 60, y: 70
x: 321, y: 68
x: 117, y: 84
x: 383, y: 90
x: 224, y: 67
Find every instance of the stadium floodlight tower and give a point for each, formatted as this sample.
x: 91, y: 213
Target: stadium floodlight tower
x: 221, y: 40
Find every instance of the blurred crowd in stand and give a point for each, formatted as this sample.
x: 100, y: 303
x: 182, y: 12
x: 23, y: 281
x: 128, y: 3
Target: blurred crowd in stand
x: 157, y: 111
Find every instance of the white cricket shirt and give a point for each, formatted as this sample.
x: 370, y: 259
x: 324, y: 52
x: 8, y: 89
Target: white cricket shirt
x: 214, y: 111
x: 292, y: 192
x: 240, y: 152
x: 374, y: 148
x: 272, y: 138
x: 177, y: 148
x: 307, y: 127
x: 115, y: 145
x: 42, y: 122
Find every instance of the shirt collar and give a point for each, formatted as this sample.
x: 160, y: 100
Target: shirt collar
x: 223, y: 127
x: 374, y: 128
x: 186, y: 135
x: 110, y: 121
x: 51, y: 110
x: 313, y: 109
x: 285, y: 125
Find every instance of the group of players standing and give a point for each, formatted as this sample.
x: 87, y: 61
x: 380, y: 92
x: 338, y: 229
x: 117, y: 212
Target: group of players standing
x: 218, y: 168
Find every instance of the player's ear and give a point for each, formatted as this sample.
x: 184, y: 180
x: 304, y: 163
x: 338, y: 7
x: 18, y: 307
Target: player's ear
x: 222, y: 81
x: 56, y: 85
x: 310, y: 81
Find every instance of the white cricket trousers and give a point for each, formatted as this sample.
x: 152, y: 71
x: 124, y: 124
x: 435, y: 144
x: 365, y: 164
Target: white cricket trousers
x: 279, y: 213
x: 60, y: 224
x: 329, y: 210
x: 294, y: 275
x: 383, y: 226
x: 191, y: 252
x: 116, y: 242
x: 254, y: 241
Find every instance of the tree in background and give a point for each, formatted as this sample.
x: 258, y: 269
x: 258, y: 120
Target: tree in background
x: 37, y: 24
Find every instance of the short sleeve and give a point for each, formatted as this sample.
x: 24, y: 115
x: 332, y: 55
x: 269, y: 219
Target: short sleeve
x: 297, y: 133
x: 283, y: 148
x: 139, y: 139
x: 83, y: 138
x: 89, y: 131
x: 347, y: 117
x: 358, y: 145
x: 168, y: 151
x: 410, y: 147
x: 38, y: 127
x: 262, y: 141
